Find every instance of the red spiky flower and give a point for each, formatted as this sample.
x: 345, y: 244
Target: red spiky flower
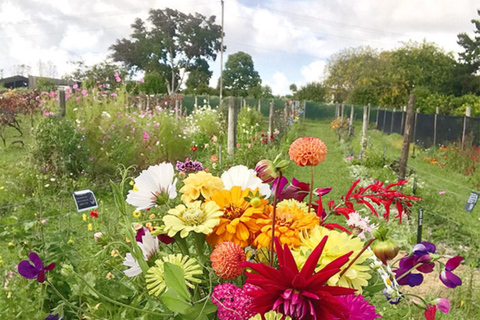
x: 302, y: 295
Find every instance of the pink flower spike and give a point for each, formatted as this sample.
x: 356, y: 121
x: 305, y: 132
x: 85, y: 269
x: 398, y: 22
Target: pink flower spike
x: 442, y: 192
x: 443, y: 305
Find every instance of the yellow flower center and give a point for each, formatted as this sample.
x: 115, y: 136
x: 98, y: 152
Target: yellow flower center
x: 192, y: 217
x: 232, y: 212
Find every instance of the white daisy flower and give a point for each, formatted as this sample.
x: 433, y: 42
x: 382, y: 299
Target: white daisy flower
x: 151, y: 184
x: 245, y: 178
x: 149, y: 246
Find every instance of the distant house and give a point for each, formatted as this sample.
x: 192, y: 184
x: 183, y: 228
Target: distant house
x: 31, y: 82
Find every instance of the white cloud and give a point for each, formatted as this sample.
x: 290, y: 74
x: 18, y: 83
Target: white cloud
x: 314, y: 72
x: 280, y: 84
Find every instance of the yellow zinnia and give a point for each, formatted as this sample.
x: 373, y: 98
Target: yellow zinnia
x: 200, y: 183
x: 338, y: 244
x: 195, y: 216
x: 290, y: 222
x: 239, y: 220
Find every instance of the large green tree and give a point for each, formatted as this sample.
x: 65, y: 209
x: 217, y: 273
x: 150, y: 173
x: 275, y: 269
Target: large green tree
x: 239, y: 75
x: 313, y: 91
x: 170, y: 43
x: 471, y: 46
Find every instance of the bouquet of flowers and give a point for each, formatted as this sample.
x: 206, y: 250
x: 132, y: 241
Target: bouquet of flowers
x: 249, y: 245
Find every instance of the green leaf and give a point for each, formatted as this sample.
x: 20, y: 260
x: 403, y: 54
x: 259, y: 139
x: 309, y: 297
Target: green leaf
x: 175, y: 280
x: 174, y: 302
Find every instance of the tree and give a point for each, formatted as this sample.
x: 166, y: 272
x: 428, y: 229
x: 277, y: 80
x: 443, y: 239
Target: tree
x: 239, y: 75
x: 471, y: 46
x: 293, y: 88
x: 198, y: 78
x: 170, y: 46
x: 153, y: 83
x: 313, y: 91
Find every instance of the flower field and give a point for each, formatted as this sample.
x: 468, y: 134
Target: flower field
x: 292, y: 226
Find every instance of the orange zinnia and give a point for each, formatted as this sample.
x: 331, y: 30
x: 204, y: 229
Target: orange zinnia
x: 289, y: 223
x: 239, y: 221
x: 307, y: 151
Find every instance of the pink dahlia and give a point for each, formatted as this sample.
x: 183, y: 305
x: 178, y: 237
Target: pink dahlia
x: 233, y: 302
x: 359, y: 308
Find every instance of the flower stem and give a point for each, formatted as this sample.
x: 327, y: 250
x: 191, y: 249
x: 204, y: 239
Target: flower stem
x: 311, y: 190
x: 182, y: 244
x: 274, y: 211
x: 200, y: 247
x: 357, y: 256
x: 119, y: 303
x: 409, y: 271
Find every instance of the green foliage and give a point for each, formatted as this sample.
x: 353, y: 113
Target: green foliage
x: 168, y: 42
x: 59, y: 147
x: 100, y: 73
x: 471, y: 46
x: 45, y: 84
x: 313, y: 91
x: 153, y: 83
x: 240, y: 74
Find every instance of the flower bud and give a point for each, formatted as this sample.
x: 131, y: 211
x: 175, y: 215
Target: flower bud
x: 255, y: 202
x: 385, y: 249
x: 67, y: 270
x: 266, y: 171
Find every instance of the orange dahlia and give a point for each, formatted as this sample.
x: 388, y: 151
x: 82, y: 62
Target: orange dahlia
x: 307, y: 151
x: 290, y: 222
x: 227, y: 260
x: 239, y: 221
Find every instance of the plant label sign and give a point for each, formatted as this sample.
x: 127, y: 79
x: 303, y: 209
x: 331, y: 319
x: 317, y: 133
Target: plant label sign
x: 85, y: 200
x: 472, y: 200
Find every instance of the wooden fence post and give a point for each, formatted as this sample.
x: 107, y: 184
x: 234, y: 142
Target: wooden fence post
x: 350, y: 122
x: 304, y: 108
x: 231, y: 127
x: 62, y: 104
x: 393, y: 120
x: 417, y: 111
x: 342, y: 112
x: 435, y: 126
x: 259, y: 105
x: 196, y: 103
x: 468, y: 114
x: 270, y: 119
x: 406, y: 138
x: 368, y: 112
x: 364, y: 128
x: 403, y: 109
x: 376, y: 121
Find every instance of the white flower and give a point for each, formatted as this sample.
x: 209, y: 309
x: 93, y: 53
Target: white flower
x: 355, y: 220
x: 245, y: 178
x: 151, y: 184
x: 149, y: 248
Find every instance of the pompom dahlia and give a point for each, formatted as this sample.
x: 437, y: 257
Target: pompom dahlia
x: 200, y: 184
x: 227, y: 260
x: 307, y: 151
x: 302, y: 295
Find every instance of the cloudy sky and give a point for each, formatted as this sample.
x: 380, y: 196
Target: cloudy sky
x: 289, y: 40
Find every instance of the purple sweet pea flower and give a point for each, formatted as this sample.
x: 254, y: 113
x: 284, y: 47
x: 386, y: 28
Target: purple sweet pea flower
x: 29, y: 271
x: 322, y: 191
x: 52, y: 317
x: 189, y: 166
x: 421, y: 254
x: 448, y: 278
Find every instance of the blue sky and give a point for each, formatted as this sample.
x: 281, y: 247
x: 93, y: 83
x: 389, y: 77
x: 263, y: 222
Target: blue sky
x: 289, y: 40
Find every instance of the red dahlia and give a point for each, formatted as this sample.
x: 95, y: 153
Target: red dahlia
x: 302, y: 295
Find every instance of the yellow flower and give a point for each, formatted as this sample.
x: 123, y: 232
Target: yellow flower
x: 84, y: 217
x: 11, y: 244
x: 90, y: 227
x: 270, y: 315
x: 239, y: 220
x: 338, y: 244
x: 9, y: 294
x: 114, y: 253
x: 155, y: 280
x: 127, y: 240
x: 195, y: 216
x: 110, y: 275
x: 136, y: 213
x: 200, y: 183
x: 290, y: 203
x: 152, y: 216
x: 290, y: 222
